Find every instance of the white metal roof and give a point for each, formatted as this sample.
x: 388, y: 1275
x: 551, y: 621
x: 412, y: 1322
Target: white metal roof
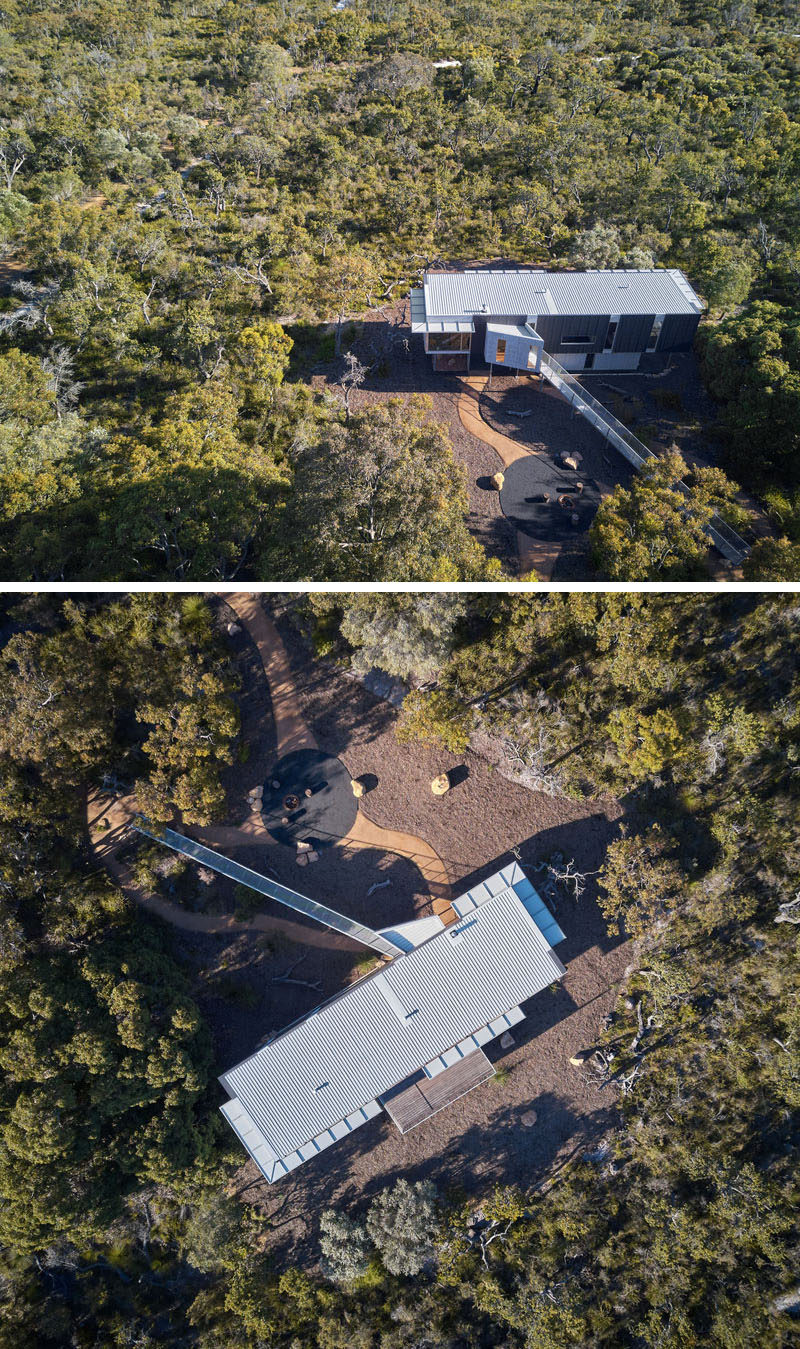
x: 331, y: 1067
x: 498, y: 292
x: 514, y: 330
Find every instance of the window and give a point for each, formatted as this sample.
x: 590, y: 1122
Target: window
x: 655, y: 332
x: 449, y: 341
x: 533, y: 358
x: 500, y: 353
x: 576, y: 339
x: 589, y: 361
x: 610, y: 335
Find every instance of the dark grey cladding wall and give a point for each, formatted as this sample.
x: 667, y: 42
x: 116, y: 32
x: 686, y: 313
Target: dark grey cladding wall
x: 633, y: 332
x: 478, y: 339
x: 678, y: 332
x: 553, y: 329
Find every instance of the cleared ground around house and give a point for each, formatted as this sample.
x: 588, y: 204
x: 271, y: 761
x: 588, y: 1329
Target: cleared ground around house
x: 252, y: 980
x: 663, y: 403
x: 481, y: 1138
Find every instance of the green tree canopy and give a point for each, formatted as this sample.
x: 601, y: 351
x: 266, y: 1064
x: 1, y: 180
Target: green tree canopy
x: 654, y: 530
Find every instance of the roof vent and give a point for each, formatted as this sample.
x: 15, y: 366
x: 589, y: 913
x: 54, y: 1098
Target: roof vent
x: 624, y: 285
x: 455, y: 933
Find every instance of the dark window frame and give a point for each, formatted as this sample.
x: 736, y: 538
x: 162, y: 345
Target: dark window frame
x: 581, y: 341
x: 655, y: 332
x: 439, y: 343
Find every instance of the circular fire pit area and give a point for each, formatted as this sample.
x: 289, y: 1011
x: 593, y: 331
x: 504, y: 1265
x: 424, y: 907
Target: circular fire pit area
x: 547, y: 501
x: 308, y: 798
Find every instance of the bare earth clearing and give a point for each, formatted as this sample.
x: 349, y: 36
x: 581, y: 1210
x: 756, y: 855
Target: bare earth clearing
x: 480, y: 1140
x: 664, y: 403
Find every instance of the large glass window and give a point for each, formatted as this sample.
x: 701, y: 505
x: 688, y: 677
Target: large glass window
x: 610, y: 335
x: 449, y: 341
x: 500, y: 354
x: 576, y: 339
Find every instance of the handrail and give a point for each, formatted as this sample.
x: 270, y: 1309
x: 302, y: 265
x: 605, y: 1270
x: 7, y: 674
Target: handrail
x: 208, y: 857
x: 725, y: 539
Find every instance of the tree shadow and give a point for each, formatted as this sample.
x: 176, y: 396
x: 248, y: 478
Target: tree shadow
x: 458, y: 775
x: 505, y: 1149
x: 337, y: 710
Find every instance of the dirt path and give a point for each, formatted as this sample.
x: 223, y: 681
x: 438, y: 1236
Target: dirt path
x: 109, y: 820
x: 292, y: 733
x: 536, y: 560
x: 469, y: 411
x: 291, y: 730
x: 109, y: 825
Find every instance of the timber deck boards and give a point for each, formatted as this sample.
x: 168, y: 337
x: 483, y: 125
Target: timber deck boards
x: 416, y: 1102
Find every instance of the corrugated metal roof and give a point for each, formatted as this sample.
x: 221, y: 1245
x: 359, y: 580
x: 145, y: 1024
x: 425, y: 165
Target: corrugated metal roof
x: 537, y: 292
x: 355, y: 1048
x: 514, y: 876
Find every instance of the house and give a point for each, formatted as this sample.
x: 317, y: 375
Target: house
x: 407, y: 1039
x: 592, y: 320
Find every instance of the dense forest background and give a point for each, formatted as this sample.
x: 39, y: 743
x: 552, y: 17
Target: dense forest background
x: 175, y: 178
x: 120, y: 1221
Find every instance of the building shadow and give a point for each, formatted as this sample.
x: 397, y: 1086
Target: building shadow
x: 506, y: 1149
x: 580, y: 919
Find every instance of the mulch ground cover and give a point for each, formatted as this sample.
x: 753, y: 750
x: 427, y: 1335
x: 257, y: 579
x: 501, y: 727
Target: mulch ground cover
x: 241, y: 982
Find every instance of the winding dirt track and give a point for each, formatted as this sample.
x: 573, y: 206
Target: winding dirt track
x: 109, y: 820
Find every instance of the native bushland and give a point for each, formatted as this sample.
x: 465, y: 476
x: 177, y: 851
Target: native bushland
x: 122, y: 1204
x: 183, y: 194
x: 118, y: 1190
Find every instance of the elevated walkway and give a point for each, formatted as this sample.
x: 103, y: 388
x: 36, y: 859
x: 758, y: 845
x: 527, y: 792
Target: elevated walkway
x: 358, y: 932
x: 730, y: 544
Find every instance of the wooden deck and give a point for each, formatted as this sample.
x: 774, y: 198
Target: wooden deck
x: 415, y: 1101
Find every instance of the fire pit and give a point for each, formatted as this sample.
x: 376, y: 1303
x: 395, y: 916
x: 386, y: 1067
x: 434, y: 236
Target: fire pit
x: 565, y: 502
x: 313, y: 801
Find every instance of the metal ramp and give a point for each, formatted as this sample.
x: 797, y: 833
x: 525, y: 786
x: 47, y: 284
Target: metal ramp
x: 730, y: 544
x: 358, y: 932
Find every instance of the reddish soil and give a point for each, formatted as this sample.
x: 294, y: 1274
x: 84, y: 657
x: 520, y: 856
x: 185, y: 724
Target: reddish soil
x: 480, y: 1140
x: 400, y: 366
